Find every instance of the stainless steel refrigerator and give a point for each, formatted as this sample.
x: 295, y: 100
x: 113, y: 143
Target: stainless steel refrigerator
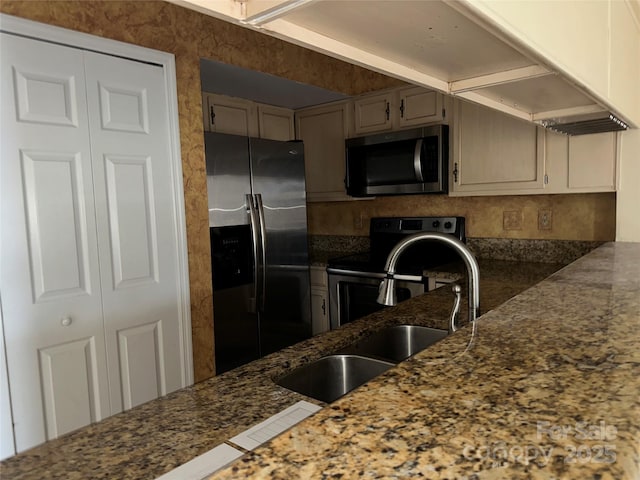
x: 259, y: 251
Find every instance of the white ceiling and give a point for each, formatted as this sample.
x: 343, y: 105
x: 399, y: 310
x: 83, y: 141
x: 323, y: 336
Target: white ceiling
x: 432, y: 43
x: 427, y: 36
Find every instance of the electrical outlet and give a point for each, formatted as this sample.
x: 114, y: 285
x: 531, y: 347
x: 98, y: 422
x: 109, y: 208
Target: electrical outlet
x: 544, y: 219
x: 512, y: 220
x: 357, y: 221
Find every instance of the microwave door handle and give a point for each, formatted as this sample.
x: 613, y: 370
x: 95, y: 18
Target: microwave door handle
x: 417, y: 163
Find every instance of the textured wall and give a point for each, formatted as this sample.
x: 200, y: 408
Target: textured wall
x: 573, y: 217
x: 191, y: 36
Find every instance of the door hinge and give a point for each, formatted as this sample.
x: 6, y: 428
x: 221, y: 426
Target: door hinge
x: 455, y: 172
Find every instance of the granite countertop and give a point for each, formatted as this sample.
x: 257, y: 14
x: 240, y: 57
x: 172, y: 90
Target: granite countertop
x: 547, y: 385
x: 560, y: 352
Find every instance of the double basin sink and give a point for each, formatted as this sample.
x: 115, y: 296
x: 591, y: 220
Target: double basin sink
x: 333, y: 376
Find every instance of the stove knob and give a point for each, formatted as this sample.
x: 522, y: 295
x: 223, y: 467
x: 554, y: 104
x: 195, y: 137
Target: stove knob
x: 447, y: 225
x: 435, y: 224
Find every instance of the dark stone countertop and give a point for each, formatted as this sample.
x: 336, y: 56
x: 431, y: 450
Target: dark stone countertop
x: 160, y: 435
x: 544, y: 386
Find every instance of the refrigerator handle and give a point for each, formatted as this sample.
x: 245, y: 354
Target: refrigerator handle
x: 263, y: 236
x: 255, y: 237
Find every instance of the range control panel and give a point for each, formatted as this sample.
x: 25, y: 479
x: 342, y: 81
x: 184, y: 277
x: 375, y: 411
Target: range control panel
x: 409, y: 225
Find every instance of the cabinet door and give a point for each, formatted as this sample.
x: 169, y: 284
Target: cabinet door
x: 319, y: 300
x: 494, y: 153
x: 581, y: 164
x: 592, y: 163
x: 418, y: 107
x: 372, y: 113
x: 49, y: 275
x: 319, y: 310
x: 275, y: 123
x: 136, y: 221
x: 231, y: 115
x: 323, y: 131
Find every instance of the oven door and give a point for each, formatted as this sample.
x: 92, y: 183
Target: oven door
x: 353, y: 295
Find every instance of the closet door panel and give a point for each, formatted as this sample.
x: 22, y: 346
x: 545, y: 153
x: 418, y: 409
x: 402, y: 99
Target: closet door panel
x: 137, y: 228
x: 49, y: 269
x: 132, y: 218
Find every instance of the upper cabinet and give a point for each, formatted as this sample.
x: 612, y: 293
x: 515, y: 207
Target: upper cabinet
x: 275, y: 123
x: 418, y: 106
x: 395, y: 109
x: 580, y: 164
x: 224, y: 114
x: 323, y: 130
x: 238, y: 116
x: 372, y: 113
x: 494, y: 153
x: 524, y: 58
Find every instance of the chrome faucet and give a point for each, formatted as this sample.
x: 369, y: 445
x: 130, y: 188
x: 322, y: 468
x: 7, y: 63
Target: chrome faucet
x: 387, y: 291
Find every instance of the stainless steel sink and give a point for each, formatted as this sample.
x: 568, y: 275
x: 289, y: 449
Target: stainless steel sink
x: 331, y: 377
x: 396, y: 343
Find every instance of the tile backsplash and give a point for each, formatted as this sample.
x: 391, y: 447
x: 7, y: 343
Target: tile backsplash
x: 583, y: 217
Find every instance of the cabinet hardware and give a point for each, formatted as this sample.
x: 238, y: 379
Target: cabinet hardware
x: 213, y: 116
x: 546, y: 179
x: 455, y: 172
x: 402, y: 108
x: 387, y: 111
x: 324, y: 306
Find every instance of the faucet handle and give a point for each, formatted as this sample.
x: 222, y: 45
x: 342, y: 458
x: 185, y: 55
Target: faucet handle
x: 453, y: 318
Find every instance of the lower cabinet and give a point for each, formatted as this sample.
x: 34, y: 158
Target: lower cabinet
x: 319, y: 300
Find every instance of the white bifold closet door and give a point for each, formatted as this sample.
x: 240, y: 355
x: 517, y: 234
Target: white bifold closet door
x: 89, y: 289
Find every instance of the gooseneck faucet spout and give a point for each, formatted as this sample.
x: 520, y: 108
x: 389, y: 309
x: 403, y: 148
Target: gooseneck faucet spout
x: 387, y: 294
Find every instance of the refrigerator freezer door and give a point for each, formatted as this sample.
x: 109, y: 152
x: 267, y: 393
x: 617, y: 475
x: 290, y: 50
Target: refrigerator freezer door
x: 234, y: 313
x: 278, y: 177
x: 232, y: 251
x: 228, y: 178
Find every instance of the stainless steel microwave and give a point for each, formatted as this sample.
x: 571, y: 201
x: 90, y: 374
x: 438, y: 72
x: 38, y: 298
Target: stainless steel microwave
x: 398, y: 163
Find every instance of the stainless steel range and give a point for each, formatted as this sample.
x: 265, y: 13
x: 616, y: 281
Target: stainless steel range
x: 354, y: 279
